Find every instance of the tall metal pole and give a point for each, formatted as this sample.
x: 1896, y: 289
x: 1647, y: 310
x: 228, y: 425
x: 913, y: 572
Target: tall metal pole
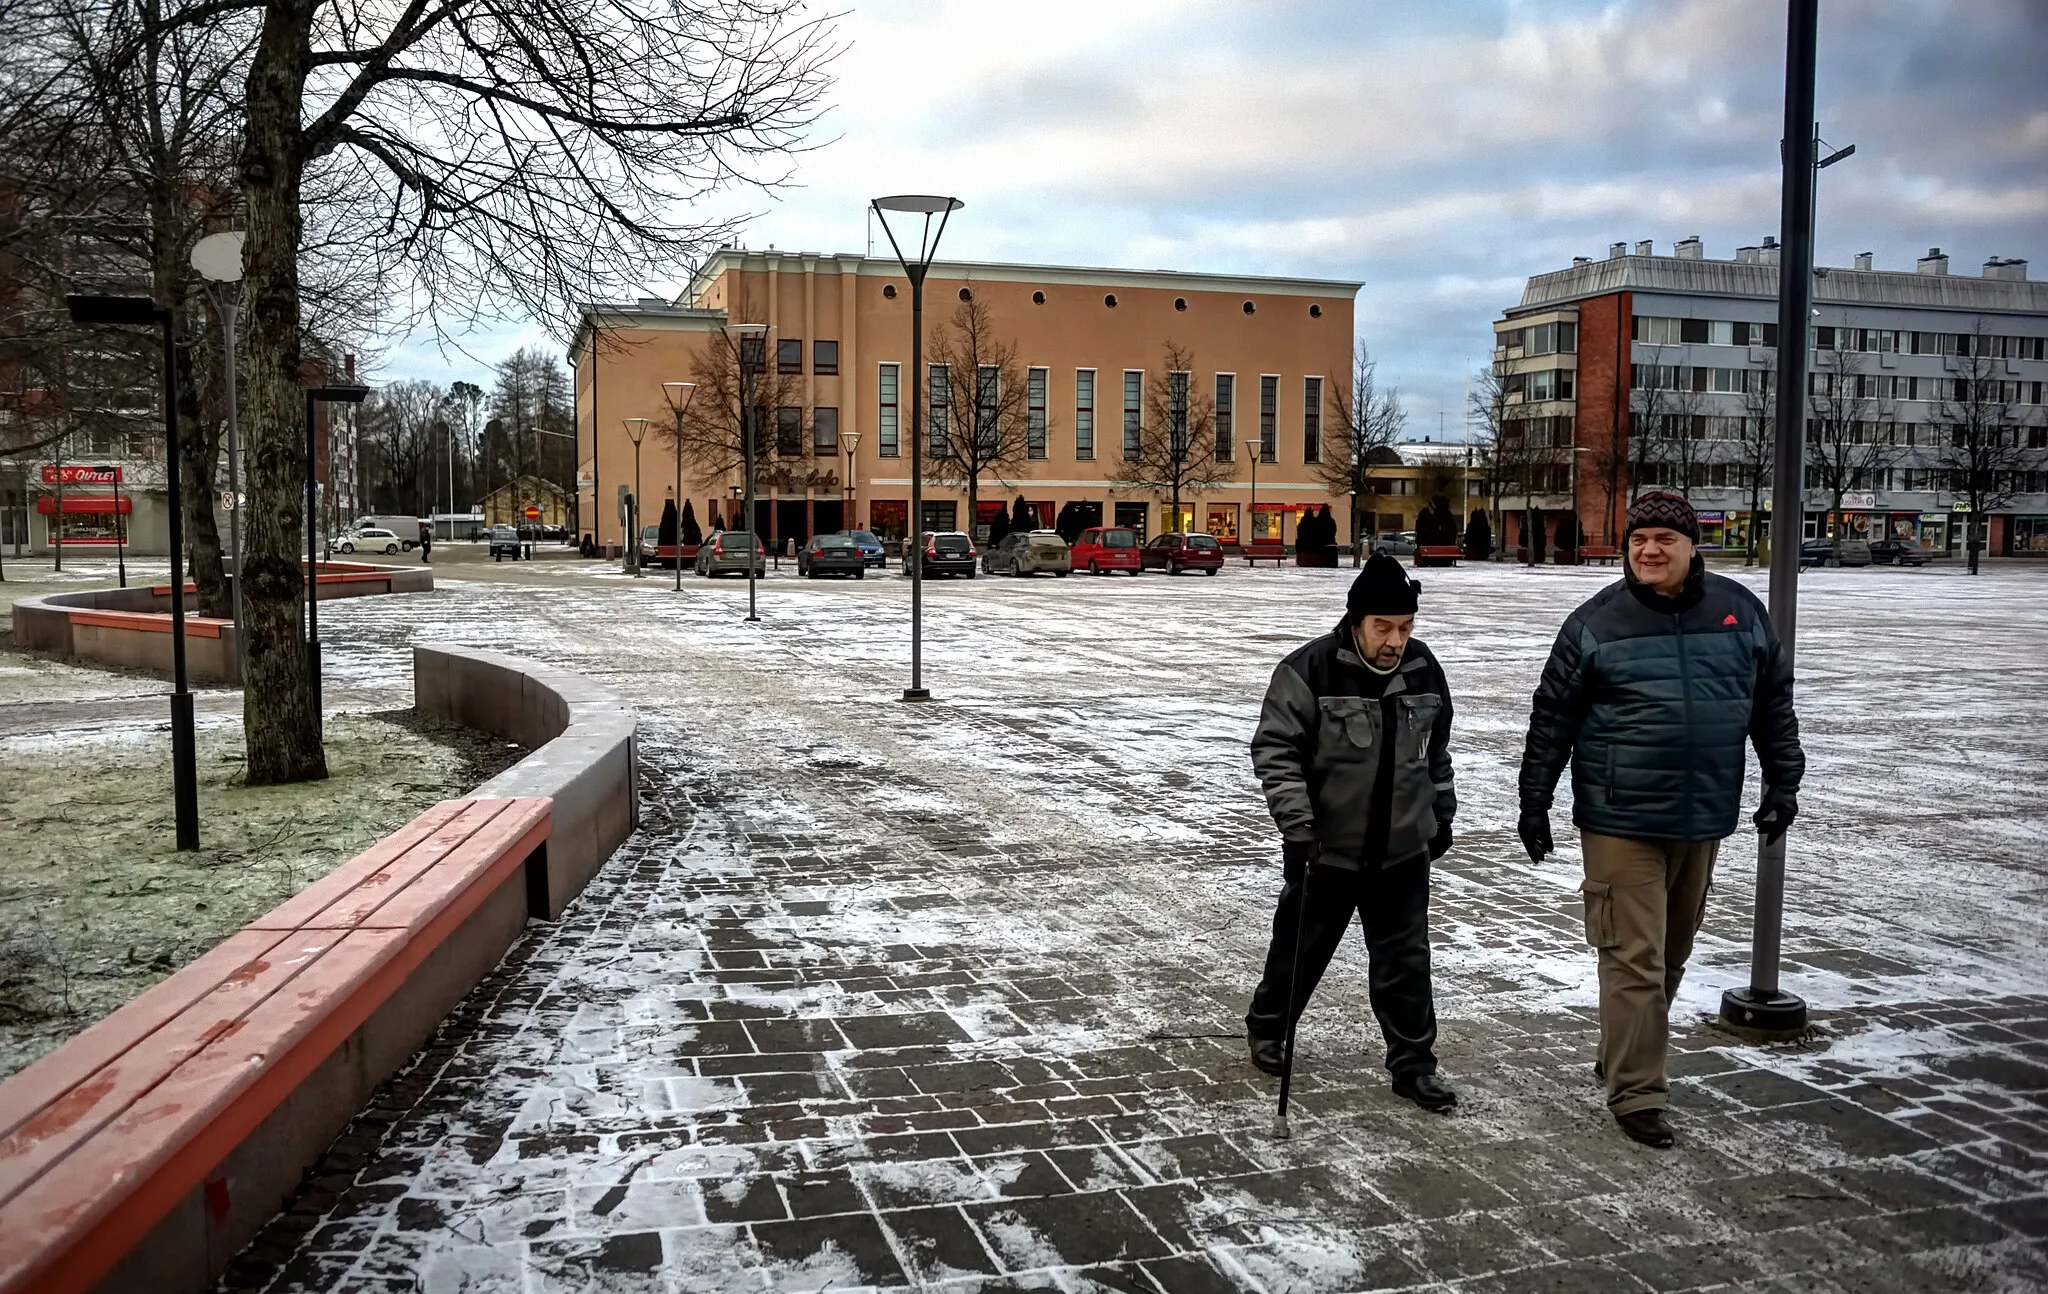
x: 184, y: 744
x: 918, y: 386
x: 1763, y: 1005
x: 677, y: 560
x: 313, y: 578
x: 747, y: 433
x: 120, y: 531
x: 227, y: 319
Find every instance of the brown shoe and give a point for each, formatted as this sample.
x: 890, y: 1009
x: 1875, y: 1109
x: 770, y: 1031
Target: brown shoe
x: 1648, y: 1127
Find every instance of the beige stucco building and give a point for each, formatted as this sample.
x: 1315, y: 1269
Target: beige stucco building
x: 1270, y: 353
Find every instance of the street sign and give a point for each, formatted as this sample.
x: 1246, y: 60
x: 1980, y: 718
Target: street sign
x: 533, y: 512
x: 227, y: 500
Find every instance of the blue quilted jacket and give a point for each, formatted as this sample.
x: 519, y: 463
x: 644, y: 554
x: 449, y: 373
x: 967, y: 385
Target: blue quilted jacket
x: 1651, y: 699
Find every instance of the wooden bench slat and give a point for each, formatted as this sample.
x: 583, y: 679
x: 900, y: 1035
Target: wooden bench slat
x: 305, y: 907
x: 444, y: 862
x: 116, y: 1182
x: 68, y: 1125
x: 459, y: 882
x: 158, y: 622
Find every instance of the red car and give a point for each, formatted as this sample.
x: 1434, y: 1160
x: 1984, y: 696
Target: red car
x: 1180, y: 552
x: 1102, y: 549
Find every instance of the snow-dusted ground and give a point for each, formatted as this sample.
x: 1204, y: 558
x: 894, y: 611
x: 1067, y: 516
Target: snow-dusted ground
x: 857, y: 940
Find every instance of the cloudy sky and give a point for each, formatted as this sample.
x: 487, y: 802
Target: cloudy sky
x: 1441, y: 152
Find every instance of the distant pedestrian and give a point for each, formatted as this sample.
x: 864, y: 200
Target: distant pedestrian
x: 1652, y: 688
x: 426, y: 542
x: 1353, y: 750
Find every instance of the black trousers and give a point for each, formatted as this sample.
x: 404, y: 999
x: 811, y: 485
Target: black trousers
x: 1393, y: 907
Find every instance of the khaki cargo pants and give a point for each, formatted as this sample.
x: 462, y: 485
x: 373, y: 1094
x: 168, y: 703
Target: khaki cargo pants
x: 1644, y: 901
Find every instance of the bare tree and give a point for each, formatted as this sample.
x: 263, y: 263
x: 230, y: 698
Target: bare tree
x: 403, y: 423
x: 1982, y: 448
x: 1757, y: 449
x: 714, y: 442
x: 1653, y: 393
x: 1367, y: 421
x: 1176, y: 452
x: 977, y: 403
x: 1851, y: 435
x: 1515, y: 464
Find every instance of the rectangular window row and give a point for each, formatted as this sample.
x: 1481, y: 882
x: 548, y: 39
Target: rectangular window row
x: 1560, y: 338
x: 789, y: 357
x: 1655, y: 330
x: 1961, y: 344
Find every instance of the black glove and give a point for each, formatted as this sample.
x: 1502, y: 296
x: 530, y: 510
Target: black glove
x: 1775, y: 812
x: 1534, y: 828
x: 1300, y: 853
x: 1440, y: 844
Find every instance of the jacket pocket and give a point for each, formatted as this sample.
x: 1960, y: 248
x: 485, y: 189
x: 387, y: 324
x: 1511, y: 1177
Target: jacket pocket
x: 1349, y: 727
x: 1599, y: 900
x: 1418, y: 724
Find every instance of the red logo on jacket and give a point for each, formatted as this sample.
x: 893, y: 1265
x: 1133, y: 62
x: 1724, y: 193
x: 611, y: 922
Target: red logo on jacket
x: 1730, y: 620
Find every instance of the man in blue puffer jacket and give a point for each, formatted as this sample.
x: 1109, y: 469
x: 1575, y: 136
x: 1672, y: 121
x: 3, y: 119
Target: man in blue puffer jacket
x: 1650, y: 692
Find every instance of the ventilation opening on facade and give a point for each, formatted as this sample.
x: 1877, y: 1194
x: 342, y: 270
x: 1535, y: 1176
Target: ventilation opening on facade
x: 889, y: 291
x: 1109, y: 299
x: 1315, y: 311
x: 967, y: 294
x: 1038, y: 298
x: 1249, y: 307
x: 1180, y: 303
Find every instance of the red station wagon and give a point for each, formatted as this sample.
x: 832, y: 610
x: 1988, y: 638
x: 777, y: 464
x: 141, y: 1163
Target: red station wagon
x: 1176, y: 553
x: 1102, y: 549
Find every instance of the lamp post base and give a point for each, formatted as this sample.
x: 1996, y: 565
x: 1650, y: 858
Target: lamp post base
x: 1775, y: 1014
x: 917, y: 694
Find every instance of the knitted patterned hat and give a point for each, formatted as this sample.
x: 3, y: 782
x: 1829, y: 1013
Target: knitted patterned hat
x: 1666, y: 510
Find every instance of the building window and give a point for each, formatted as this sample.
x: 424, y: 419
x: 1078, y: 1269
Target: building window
x: 789, y: 431
x: 1653, y: 331
x: 1084, y: 413
x: 1550, y: 338
x: 1034, y: 413
x: 1178, y: 383
x: 940, y: 401
x: 890, y: 443
x: 789, y: 355
x: 988, y: 407
x: 1312, y: 420
x: 1269, y: 418
x: 825, y: 358
x: 1226, y: 436
x: 825, y: 432
x: 1134, y: 412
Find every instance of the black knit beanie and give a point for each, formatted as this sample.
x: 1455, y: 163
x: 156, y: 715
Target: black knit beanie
x: 1382, y: 589
x: 1665, y: 510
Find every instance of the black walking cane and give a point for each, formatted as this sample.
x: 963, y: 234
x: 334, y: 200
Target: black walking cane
x: 1280, y: 1132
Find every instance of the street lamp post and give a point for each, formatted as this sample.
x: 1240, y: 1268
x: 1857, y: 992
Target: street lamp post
x: 679, y: 395
x: 349, y: 394
x: 915, y: 268
x: 108, y: 310
x: 218, y: 258
x: 847, y: 493
x: 753, y: 354
x: 636, y: 430
x: 1763, y: 1005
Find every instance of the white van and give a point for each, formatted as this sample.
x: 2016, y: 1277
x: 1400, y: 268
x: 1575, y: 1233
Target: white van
x: 406, y: 528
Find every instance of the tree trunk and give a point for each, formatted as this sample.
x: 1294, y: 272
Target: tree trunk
x: 198, y: 458
x: 280, y: 722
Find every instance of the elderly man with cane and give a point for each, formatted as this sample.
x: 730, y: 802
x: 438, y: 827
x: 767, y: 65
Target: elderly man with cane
x: 1353, y: 750
x: 1651, y: 692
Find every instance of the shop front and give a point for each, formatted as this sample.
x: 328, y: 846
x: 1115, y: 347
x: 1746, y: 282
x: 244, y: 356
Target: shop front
x: 1932, y: 530
x: 2029, y: 536
x: 1727, y: 531
x: 1223, y: 522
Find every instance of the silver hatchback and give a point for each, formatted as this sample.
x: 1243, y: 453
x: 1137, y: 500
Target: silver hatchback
x: 727, y: 552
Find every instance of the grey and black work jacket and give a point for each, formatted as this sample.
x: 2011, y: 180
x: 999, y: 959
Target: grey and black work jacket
x: 1321, y: 738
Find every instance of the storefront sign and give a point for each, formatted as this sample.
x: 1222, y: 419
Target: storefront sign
x: 73, y: 474
x: 1861, y: 501
x: 1958, y: 507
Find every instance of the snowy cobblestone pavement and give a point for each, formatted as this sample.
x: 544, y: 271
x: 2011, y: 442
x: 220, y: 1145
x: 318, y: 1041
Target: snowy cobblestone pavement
x: 950, y: 996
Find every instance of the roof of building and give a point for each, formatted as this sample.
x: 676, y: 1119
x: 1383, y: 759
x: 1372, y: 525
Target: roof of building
x: 1018, y: 272
x: 1679, y: 276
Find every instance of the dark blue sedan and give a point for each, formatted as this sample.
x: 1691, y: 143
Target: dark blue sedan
x: 870, y: 547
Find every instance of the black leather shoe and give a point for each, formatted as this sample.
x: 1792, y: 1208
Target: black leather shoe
x: 1648, y: 1127
x: 1269, y: 1055
x: 1600, y: 1072
x: 1427, y: 1091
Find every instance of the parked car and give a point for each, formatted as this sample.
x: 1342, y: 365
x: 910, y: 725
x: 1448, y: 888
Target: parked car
x: 941, y: 552
x: 1834, y: 552
x: 727, y: 552
x: 1177, y: 552
x: 1395, y: 543
x: 504, y: 543
x: 1102, y: 549
x: 405, y: 527
x: 831, y: 555
x: 1899, y: 551
x: 372, y: 540
x: 1027, y: 552
x: 871, y: 551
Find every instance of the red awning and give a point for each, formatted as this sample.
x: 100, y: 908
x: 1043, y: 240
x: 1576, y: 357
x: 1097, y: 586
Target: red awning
x: 102, y: 503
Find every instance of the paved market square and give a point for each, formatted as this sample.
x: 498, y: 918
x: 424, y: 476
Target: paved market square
x: 950, y: 996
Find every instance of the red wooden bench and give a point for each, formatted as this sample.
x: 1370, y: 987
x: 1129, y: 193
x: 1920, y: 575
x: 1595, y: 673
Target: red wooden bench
x: 1256, y: 552
x: 1599, y: 553
x: 1437, y: 555
x: 103, y: 1139
x: 156, y: 622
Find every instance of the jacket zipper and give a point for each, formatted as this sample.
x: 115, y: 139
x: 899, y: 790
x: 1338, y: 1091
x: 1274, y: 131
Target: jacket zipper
x: 1685, y: 690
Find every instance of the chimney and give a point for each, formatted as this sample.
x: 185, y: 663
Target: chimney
x: 2014, y: 271
x: 1689, y: 249
x: 1643, y: 248
x: 653, y: 303
x: 1932, y: 263
x: 1582, y: 260
x: 1747, y: 256
x: 348, y: 362
x: 1768, y: 253
x: 1615, y: 251
x: 1863, y: 260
